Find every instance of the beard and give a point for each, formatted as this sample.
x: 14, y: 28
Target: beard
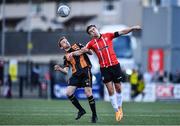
x: 67, y: 47
x: 96, y: 35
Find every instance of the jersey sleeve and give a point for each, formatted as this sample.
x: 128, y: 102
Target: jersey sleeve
x: 116, y: 34
x: 66, y: 63
x: 110, y: 35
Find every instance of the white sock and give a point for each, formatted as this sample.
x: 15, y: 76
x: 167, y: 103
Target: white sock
x: 119, y: 99
x: 113, y: 100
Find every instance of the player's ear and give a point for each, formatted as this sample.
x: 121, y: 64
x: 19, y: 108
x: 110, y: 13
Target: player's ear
x: 59, y: 44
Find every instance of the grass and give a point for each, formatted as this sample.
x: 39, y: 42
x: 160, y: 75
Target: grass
x: 61, y: 112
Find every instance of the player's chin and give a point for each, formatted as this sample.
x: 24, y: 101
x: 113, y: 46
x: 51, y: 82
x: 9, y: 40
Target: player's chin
x: 67, y: 46
x: 93, y: 35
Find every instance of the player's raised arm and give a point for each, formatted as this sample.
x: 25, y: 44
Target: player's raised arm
x: 130, y: 29
x: 80, y: 52
x: 64, y: 70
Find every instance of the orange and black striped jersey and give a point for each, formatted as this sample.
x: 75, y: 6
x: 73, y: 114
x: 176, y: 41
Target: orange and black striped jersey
x: 77, y: 62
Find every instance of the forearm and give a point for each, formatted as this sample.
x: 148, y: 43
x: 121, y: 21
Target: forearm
x: 130, y: 29
x: 125, y: 31
x: 64, y: 70
x: 90, y: 52
x: 81, y: 51
x: 77, y: 53
x: 58, y: 68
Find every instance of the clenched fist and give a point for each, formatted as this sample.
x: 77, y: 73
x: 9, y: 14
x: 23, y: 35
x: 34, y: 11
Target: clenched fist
x: 57, y: 67
x: 137, y: 27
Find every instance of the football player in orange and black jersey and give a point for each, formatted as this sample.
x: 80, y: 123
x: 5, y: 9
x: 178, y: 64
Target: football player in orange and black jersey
x: 81, y: 76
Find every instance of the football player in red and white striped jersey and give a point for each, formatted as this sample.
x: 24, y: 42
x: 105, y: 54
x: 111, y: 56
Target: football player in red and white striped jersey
x: 110, y: 68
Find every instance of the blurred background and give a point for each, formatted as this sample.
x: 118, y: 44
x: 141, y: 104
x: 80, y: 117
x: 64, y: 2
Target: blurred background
x: 150, y: 59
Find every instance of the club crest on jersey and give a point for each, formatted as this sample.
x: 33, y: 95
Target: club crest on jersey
x: 103, y: 48
x: 106, y: 38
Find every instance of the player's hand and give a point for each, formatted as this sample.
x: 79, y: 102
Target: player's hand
x: 57, y: 68
x: 69, y: 56
x: 137, y: 27
x: 84, y: 50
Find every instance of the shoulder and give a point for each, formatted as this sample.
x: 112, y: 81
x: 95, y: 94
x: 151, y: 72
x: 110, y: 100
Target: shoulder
x: 90, y: 43
x: 108, y: 34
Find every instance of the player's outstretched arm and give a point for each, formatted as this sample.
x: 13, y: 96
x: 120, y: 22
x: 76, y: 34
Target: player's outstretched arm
x: 80, y: 52
x: 89, y: 52
x: 130, y: 29
x: 58, y: 68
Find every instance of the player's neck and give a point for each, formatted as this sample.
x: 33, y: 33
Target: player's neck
x: 98, y: 36
x: 67, y: 49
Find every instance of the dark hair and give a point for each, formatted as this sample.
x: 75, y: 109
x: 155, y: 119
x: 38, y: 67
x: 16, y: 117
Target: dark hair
x: 88, y: 27
x: 60, y: 39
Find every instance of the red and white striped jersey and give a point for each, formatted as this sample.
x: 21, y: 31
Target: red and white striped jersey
x: 103, y: 47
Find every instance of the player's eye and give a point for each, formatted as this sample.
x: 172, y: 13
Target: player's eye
x: 91, y: 31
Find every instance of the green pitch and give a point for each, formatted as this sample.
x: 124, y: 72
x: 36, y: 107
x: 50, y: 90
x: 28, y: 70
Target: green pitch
x: 61, y: 112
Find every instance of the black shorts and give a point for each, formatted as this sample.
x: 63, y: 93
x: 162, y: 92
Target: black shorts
x: 112, y: 73
x: 84, y: 80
